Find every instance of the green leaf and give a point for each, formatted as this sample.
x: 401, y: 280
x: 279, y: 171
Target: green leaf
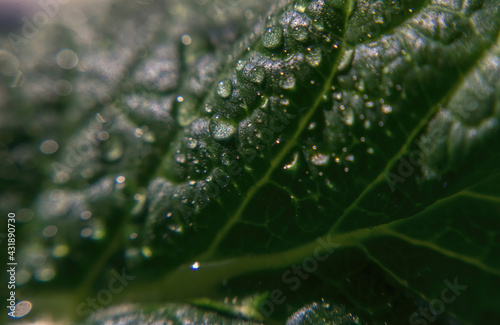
x: 246, y: 161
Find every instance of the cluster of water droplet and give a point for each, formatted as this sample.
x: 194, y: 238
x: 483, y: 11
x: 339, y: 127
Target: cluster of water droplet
x: 246, y: 112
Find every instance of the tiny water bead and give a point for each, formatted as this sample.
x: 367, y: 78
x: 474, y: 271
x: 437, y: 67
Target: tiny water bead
x: 195, y: 266
x: 224, y: 89
x: 222, y: 129
x: 272, y: 37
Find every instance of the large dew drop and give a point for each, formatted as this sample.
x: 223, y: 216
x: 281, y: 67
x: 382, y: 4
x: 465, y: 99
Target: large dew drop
x: 300, y: 33
x: 287, y: 82
x: 273, y: 37
x: 257, y: 74
x: 313, y: 57
x: 224, y: 89
x: 222, y: 129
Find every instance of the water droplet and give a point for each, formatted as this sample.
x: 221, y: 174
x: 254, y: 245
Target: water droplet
x: 195, y: 266
x: 287, y: 82
x: 386, y: 109
x: 60, y: 251
x: 176, y: 228
x: 180, y: 157
x: 349, y: 157
x: 348, y: 117
x: 346, y: 60
x: 313, y: 57
x: 272, y: 37
x: 49, y: 231
x: 240, y: 65
x: 48, y: 147
x: 337, y: 95
x: 300, y: 5
x: 63, y: 87
x: 45, y: 273
x: 86, y: 232
x: 300, y: 33
x: 222, y: 129
x: 378, y: 18
x: 120, y: 180
x: 186, y: 39
x: 67, y: 59
x: 293, y: 163
x: 319, y: 159
x: 224, y: 88
x: 257, y: 74
x: 22, y: 309
x: 146, y: 251
x: 319, y: 25
x: 191, y: 143
x: 85, y: 215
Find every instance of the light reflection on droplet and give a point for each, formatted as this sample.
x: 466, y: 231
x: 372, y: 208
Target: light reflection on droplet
x: 293, y: 162
x: 195, y: 266
x: 120, y: 179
